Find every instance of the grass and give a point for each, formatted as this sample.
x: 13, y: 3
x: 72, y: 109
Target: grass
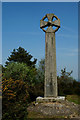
x: 33, y: 114
x: 73, y: 98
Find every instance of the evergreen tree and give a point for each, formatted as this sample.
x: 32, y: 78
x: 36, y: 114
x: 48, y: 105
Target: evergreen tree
x: 22, y: 56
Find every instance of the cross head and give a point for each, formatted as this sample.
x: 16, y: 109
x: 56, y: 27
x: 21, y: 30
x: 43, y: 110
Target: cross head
x: 50, y: 23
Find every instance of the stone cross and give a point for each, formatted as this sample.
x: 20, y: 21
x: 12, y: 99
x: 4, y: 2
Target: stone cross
x: 50, y: 86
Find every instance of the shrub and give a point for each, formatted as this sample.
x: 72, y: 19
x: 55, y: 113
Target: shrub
x: 20, y: 71
x: 15, y: 99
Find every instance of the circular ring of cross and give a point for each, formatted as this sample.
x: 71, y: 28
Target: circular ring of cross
x: 50, y: 23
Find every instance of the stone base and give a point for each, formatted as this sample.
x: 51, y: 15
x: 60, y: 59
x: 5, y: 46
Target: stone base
x: 50, y: 99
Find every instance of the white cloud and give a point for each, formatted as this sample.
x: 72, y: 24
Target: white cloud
x: 68, y: 29
x: 69, y: 52
x: 73, y: 36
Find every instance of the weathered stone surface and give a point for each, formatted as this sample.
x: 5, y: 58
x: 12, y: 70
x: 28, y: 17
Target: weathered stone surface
x: 49, y: 99
x: 50, y: 66
x: 50, y: 86
x: 50, y: 23
x: 57, y: 109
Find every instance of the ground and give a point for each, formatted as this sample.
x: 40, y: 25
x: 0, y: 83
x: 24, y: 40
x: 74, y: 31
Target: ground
x: 57, y: 109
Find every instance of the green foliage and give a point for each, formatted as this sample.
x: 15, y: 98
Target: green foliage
x: 65, y: 74
x: 2, y: 68
x: 73, y: 98
x: 35, y: 91
x: 20, y: 71
x: 76, y: 87
x: 39, y: 87
x: 15, y: 99
x: 19, y: 79
x: 41, y: 71
x: 67, y: 85
x: 22, y: 56
x: 0, y: 80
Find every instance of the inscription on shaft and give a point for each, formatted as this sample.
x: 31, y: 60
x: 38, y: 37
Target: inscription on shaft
x: 50, y: 85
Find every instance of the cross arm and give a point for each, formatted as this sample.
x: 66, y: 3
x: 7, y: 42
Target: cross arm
x: 43, y: 24
x: 56, y: 23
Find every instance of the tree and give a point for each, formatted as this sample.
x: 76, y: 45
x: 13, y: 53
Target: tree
x: 20, y: 71
x: 65, y: 83
x: 41, y: 71
x: 66, y: 75
x: 15, y: 99
x: 38, y: 89
x: 18, y: 83
x: 22, y: 56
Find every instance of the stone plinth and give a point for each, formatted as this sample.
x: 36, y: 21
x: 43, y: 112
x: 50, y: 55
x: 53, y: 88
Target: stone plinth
x: 50, y: 99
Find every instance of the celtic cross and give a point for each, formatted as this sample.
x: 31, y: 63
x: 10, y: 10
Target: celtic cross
x: 50, y: 86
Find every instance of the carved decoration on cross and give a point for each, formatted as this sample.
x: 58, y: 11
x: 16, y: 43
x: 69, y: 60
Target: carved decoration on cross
x: 50, y: 23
